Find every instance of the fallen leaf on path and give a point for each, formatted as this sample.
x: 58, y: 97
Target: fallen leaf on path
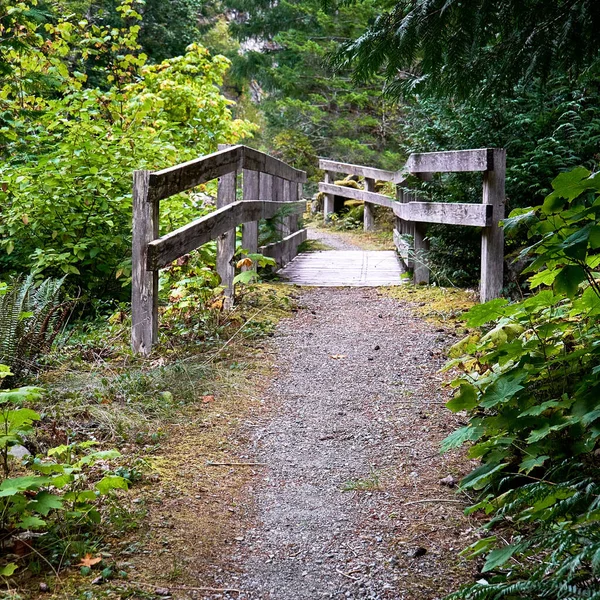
x: 89, y: 561
x: 338, y: 356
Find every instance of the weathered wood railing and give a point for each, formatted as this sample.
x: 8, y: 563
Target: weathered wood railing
x: 268, y: 186
x: 412, y: 217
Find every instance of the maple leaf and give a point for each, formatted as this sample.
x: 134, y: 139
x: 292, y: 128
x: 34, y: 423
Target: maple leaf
x: 207, y: 399
x: 89, y: 561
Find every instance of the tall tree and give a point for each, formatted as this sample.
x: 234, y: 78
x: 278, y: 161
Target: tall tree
x: 457, y: 47
x: 310, y: 110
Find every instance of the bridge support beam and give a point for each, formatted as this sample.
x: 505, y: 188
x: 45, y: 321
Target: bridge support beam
x: 492, y: 239
x: 144, y: 284
x: 369, y: 217
x: 329, y: 199
x: 226, y: 192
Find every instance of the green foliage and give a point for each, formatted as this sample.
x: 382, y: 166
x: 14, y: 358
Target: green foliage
x: 57, y: 492
x: 31, y: 316
x: 449, y: 47
x: 67, y: 165
x: 532, y: 388
x: 309, y: 111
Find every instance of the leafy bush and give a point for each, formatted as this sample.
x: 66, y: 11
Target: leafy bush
x: 32, y: 314
x: 58, y: 491
x: 532, y: 388
x: 66, y: 174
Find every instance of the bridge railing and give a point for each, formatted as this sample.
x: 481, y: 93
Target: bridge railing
x: 412, y: 217
x: 268, y: 186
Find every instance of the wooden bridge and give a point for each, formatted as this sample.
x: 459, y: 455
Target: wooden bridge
x: 269, y: 185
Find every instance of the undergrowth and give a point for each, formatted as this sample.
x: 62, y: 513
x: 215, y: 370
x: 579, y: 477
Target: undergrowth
x: 530, y: 384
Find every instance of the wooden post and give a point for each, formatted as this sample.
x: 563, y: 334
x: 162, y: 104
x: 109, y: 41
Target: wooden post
x: 421, y: 246
x: 492, y: 239
x: 328, y: 201
x: 144, y: 288
x: 294, y: 190
x: 369, y: 219
x: 226, y: 243
x: 250, y: 230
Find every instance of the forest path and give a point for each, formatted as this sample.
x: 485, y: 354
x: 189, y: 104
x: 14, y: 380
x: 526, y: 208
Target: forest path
x: 351, y: 442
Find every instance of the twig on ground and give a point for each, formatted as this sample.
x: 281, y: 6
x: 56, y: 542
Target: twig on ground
x: 347, y: 575
x: 185, y: 588
x: 433, y: 500
x: 209, y: 463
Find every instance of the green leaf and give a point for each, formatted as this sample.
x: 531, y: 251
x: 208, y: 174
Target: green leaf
x: 464, y: 399
x: 112, y: 482
x: 8, y: 570
x: 45, y: 502
x: 568, y: 280
x: 531, y: 463
x: 496, y: 558
x: 479, y: 547
x: 484, y: 313
x: 469, y: 433
x: 245, y: 277
x: 503, y: 389
x: 31, y: 522
x: 480, y: 477
x: 545, y: 277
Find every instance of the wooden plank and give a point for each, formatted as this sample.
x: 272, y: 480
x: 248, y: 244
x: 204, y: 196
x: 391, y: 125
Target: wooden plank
x: 348, y: 192
x: 492, y: 240
x: 226, y: 194
x: 475, y: 215
x: 168, y: 248
x: 344, y: 268
x: 360, y: 170
x: 453, y: 161
x: 265, y: 186
x: 255, y: 160
x: 250, y: 228
x: 187, y: 175
x: 144, y: 288
x: 369, y: 217
x: 283, y: 251
x: 328, y: 200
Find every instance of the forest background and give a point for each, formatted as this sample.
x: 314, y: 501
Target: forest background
x: 91, y: 91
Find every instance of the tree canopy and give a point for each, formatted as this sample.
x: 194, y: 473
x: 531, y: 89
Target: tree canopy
x: 454, y: 47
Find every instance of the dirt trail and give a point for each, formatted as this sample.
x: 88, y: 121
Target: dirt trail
x: 357, y: 416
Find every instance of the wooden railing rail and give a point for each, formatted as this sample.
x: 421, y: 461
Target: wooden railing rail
x: 268, y: 185
x: 412, y: 217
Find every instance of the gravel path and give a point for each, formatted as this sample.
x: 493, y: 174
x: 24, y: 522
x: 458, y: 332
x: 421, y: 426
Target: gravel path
x: 356, y: 419
x: 336, y: 241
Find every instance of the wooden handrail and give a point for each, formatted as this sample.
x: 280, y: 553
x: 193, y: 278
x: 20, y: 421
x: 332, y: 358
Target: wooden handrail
x: 171, y: 246
x: 412, y: 217
x: 188, y: 175
x: 269, y: 185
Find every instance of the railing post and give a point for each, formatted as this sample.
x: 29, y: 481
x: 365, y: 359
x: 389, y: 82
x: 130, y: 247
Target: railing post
x: 250, y: 230
x: 492, y: 238
x: 328, y: 202
x: 369, y: 218
x: 421, y: 247
x: 226, y: 192
x: 144, y: 286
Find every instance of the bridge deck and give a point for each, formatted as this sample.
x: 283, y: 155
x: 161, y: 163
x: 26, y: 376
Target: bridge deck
x: 344, y: 268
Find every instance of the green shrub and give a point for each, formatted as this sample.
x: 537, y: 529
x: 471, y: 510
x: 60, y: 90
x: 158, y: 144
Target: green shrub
x: 66, y: 174
x: 531, y: 385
